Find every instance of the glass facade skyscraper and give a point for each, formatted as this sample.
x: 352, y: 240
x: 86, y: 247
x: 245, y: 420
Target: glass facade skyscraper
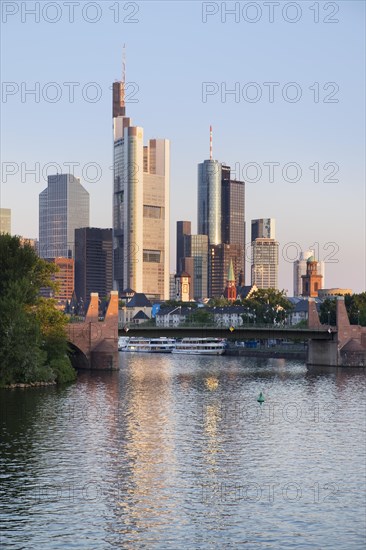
x: 209, y: 200
x: 221, y: 216
x: 63, y: 207
x: 93, y: 262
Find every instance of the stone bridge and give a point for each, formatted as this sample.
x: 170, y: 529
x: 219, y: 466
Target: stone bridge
x: 94, y: 343
x: 348, y: 349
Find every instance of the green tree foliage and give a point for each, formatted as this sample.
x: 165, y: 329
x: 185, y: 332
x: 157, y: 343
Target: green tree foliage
x: 200, y: 317
x: 219, y: 302
x: 268, y: 305
x: 355, y: 306
x: 33, y: 345
x: 177, y: 303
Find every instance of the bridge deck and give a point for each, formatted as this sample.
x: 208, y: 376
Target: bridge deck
x: 239, y: 333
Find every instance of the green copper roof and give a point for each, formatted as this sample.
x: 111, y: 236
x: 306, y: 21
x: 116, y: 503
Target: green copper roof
x: 231, y: 276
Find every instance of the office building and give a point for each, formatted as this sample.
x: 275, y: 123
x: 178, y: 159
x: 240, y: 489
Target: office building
x: 140, y: 206
x: 196, y: 264
x: 64, y: 279
x: 5, y: 220
x: 63, y: 207
x: 263, y: 228
x: 221, y: 216
x: 93, y: 262
x: 265, y: 263
x: 220, y: 257
x: 183, y: 229
x: 264, y: 269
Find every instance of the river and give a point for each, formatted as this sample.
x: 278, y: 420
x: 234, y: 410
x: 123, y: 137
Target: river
x: 175, y: 452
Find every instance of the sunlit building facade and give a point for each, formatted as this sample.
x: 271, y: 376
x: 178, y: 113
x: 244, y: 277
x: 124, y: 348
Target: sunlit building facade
x: 140, y: 207
x: 63, y: 207
x: 5, y: 220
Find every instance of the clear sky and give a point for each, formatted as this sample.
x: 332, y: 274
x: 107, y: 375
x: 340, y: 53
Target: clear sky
x: 311, y: 116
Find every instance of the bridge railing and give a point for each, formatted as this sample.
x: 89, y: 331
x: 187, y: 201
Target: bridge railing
x: 214, y: 326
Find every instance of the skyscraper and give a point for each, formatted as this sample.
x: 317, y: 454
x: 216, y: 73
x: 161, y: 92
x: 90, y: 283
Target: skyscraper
x: 196, y: 249
x: 140, y: 206
x: 5, y: 220
x: 183, y: 229
x: 221, y: 216
x: 63, y: 207
x: 233, y: 215
x: 93, y: 262
x: 264, y: 228
x: 264, y: 254
x: 64, y: 278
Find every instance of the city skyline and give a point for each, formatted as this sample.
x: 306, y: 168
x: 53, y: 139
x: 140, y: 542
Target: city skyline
x: 311, y: 133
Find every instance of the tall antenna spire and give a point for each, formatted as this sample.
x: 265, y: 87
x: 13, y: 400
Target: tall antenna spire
x: 124, y: 63
x: 210, y: 142
x: 123, y: 82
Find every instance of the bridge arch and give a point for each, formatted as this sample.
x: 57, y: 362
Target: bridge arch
x: 77, y: 357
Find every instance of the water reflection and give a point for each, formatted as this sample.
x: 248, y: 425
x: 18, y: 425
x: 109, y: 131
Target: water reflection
x: 175, y: 452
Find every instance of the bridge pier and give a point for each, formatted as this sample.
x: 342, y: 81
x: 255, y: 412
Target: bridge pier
x: 322, y: 353
x: 97, y: 340
x: 348, y: 348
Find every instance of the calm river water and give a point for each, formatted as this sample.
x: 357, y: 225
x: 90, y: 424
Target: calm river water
x: 175, y: 452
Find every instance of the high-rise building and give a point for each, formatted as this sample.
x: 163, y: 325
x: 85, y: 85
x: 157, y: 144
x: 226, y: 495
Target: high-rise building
x: 64, y: 278
x: 219, y: 263
x: 264, y: 253
x: 299, y: 269
x: 196, y: 249
x: 264, y: 228
x: 5, y: 220
x: 183, y: 229
x: 140, y: 206
x: 93, y: 262
x: 209, y: 200
x: 265, y: 263
x: 221, y: 216
x: 63, y: 207
x: 233, y: 215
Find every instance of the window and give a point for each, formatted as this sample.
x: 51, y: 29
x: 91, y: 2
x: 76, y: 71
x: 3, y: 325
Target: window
x: 152, y: 256
x: 155, y: 212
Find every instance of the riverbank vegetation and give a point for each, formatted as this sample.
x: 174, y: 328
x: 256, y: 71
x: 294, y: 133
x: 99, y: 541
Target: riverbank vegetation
x: 33, y: 343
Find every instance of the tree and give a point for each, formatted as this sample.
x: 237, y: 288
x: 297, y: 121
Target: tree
x: 219, y: 302
x: 355, y: 306
x: 268, y: 305
x: 33, y: 345
x: 201, y: 316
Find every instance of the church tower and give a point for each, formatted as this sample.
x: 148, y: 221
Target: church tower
x: 230, y: 290
x: 312, y: 281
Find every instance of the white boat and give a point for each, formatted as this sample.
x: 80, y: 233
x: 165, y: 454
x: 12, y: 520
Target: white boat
x: 200, y: 346
x: 122, y: 342
x: 149, y: 345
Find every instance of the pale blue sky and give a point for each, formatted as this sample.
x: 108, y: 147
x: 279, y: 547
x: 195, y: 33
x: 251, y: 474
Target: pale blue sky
x: 170, y: 52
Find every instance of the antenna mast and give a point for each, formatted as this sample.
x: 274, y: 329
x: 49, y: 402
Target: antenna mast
x: 123, y: 82
x: 210, y: 142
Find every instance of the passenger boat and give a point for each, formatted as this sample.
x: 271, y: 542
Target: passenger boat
x: 149, y: 345
x: 122, y: 342
x: 200, y: 346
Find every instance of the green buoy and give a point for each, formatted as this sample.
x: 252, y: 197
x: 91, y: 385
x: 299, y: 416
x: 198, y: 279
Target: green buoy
x: 261, y: 398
